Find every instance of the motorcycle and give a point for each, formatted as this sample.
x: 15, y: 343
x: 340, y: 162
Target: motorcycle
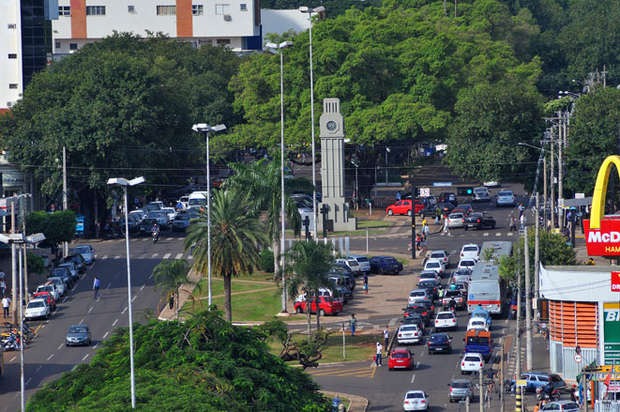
x: 547, y: 394
x: 155, y: 236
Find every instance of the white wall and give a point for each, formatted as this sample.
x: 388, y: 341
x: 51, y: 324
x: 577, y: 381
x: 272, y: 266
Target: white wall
x: 10, y: 42
x: 281, y: 21
x: 578, y: 283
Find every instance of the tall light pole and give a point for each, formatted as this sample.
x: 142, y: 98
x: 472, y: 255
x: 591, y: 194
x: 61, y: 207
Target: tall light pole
x: 124, y: 183
x: 279, y: 47
x: 205, y: 128
x: 387, y: 150
x: 355, y: 162
x: 316, y: 10
x: 65, y: 202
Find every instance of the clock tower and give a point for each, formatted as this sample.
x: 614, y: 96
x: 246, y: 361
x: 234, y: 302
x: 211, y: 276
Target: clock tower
x: 332, y: 168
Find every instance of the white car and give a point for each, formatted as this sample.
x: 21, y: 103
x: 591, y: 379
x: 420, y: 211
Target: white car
x: 440, y: 255
x: 445, y: 320
x: 416, y: 401
x: 470, y: 251
x: 363, y: 261
x: 481, y: 194
x: 171, y: 212
x: 478, y: 323
x: 59, y: 284
x: 352, y: 264
x: 49, y: 287
x: 429, y: 274
x: 37, y: 309
x: 505, y: 198
x: 408, y: 334
x: 436, y: 266
x: 467, y: 264
x: 87, y: 252
x: 472, y: 362
x: 456, y: 220
x: 418, y: 295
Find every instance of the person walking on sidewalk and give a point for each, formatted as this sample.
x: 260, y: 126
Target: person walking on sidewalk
x: 446, y: 228
x: 6, y: 303
x: 365, y: 283
x: 353, y: 323
x: 96, y: 286
x: 378, y: 360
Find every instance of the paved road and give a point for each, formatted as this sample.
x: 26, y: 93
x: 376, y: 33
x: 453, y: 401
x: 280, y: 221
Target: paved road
x: 47, y: 357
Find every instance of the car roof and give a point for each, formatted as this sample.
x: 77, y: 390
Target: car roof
x: 37, y: 300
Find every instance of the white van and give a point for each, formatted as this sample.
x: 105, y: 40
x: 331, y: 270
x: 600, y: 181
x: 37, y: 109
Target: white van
x: 197, y: 199
x: 481, y: 194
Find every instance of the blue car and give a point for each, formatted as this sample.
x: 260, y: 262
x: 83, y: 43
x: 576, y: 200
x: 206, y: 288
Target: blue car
x: 385, y: 265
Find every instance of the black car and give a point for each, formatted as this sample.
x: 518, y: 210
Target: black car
x: 430, y: 211
x: 65, y: 274
x: 418, y: 309
x: 78, y: 335
x: 477, y: 220
x: 431, y: 285
x: 385, y: 265
x: 439, y: 343
x: 77, y: 260
x: 413, y: 318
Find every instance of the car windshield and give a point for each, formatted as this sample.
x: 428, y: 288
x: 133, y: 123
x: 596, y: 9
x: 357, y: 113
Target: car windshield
x: 439, y: 338
x: 445, y: 316
x: 82, y: 249
x: 400, y: 355
x: 409, y: 328
x: 427, y: 284
x: 36, y: 304
x: 433, y: 264
x: 472, y: 359
x: 417, y: 293
x: 504, y: 194
x: 437, y: 255
x: 362, y: 259
x: 470, y: 249
x: 459, y: 384
x: 415, y: 395
x: 78, y: 329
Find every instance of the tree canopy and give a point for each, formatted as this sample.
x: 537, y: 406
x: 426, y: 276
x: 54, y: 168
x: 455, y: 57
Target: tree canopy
x: 204, y: 361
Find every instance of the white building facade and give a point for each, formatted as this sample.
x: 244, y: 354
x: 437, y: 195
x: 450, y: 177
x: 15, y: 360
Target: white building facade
x: 231, y: 23
x: 11, y: 85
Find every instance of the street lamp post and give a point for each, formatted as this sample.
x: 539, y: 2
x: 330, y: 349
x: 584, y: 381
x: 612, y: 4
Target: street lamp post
x: 279, y: 47
x: 387, y: 150
x: 124, y: 183
x: 310, y: 11
x: 205, y: 128
x: 355, y: 162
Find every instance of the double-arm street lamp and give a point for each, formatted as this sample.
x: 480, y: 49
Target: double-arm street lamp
x: 206, y: 129
x: 124, y: 183
x: 310, y: 12
x: 277, y: 48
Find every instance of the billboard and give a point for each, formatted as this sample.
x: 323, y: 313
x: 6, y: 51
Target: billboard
x: 611, y: 332
x: 602, y: 233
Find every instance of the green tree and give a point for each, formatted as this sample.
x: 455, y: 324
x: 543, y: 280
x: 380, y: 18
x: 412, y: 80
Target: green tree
x: 57, y: 227
x: 237, y: 236
x: 203, y: 363
x: 310, y: 262
x: 170, y: 275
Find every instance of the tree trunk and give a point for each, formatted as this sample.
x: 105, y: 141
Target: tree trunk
x: 318, y: 311
x: 308, y: 316
x: 228, y: 297
x: 275, y: 246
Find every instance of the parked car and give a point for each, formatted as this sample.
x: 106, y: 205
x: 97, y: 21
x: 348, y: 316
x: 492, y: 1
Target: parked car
x: 535, y: 380
x: 481, y: 194
x: 78, y: 335
x: 400, y: 358
x: 351, y: 264
x: 48, y: 297
x: 505, y: 198
x: 472, y: 363
x: 385, y: 265
x: 59, y: 284
x: 479, y: 220
x: 327, y: 306
x: 363, y: 261
x: 456, y: 220
x: 561, y: 406
x: 408, y: 334
x: 430, y: 211
x: 403, y: 207
x: 66, y: 272
x: 78, y: 262
x: 416, y: 401
x: 470, y: 251
x: 86, y: 251
x: 461, y: 389
x: 37, y: 309
x: 445, y: 320
x: 48, y: 287
x: 439, y: 343
x: 183, y: 219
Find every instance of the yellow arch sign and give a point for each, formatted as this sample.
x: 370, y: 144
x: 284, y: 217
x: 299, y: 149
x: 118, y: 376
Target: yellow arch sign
x: 603, y: 235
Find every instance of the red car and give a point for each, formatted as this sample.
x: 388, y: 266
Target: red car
x: 327, y: 306
x: 403, y: 207
x: 49, y: 299
x: 400, y: 358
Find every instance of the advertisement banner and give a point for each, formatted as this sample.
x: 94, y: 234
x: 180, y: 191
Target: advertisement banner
x: 602, y: 233
x: 611, y: 332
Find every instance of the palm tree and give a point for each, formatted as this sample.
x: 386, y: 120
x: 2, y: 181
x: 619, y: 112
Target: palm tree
x: 169, y: 275
x: 261, y: 183
x: 310, y: 263
x: 237, y: 236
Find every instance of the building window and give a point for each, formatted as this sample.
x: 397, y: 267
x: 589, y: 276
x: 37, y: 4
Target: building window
x: 166, y: 10
x: 12, y: 85
x: 12, y: 26
x: 73, y: 46
x: 12, y: 55
x: 243, y: 7
x: 95, y: 10
x: 221, y: 9
x: 197, y: 10
x: 222, y: 42
x: 131, y: 9
x: 64, y: 10
x: 57, y: 45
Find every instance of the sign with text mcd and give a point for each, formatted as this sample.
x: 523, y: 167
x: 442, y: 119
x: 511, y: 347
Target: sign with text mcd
x: 602, y: 233
x: 615, y: 281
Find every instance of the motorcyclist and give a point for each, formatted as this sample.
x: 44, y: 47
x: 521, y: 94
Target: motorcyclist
x: 155, y: 230
x: 452, y: 304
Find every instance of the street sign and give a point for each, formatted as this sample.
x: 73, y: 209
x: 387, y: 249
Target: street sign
x: 615, y: 281
x: 578, y: 358
x: 425, y: 191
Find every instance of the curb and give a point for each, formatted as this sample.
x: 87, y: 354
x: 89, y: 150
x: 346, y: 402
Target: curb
x: 358, y: 403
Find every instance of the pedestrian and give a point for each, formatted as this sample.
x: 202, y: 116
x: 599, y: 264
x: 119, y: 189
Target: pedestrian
x: 521, y: 209
x: 522, y: 221
x: 446, y: 228
x: 365, y: 283
x: 171, y: 300
x: 2, y: 285
x: 418, y: 241
x: 6, y: 303
x: 398, y: 196
x: 96, y: 286
x: 378, y: 360
x: 353, y: 323
x: 426, y: 230
x: 437, y: 215
x: 386, y: 337
x: 513, y: 223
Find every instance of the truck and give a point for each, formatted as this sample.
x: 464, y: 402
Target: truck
x: 479, y: 341
x: 197, y: 199
x: 487, y: 293
x: 493, y: 251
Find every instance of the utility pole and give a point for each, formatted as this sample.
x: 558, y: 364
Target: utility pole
x: 14, y: 295
x: 65, y: 203
x: 528, y: 305
x: 545, y: 192
x: 561, y: 138
x: 413, y: 196
x: 536, y: 262
x: 518, y: 393
x: 481, y: 394
x: 552, y: 180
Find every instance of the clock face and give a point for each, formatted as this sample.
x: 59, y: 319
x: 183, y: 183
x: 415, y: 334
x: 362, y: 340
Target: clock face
x: 331, y: 125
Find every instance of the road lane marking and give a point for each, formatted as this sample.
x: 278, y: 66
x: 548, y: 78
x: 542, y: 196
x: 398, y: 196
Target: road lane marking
x: 179, y: 256
x: 60, y: 346
x: 413, y: 378
x: 38, y: 369
x: 124, y: 310
x: 154, y: 255
x: 27, y: 382
x: 151, y: 276
x: 50, y: 357
x: 105, y: 335
x: 142, y: 287
x: 115, y: 322
x: 81, y: 321
x: 417, y: 366
x: 85, y: 357
x: 108, y: 285
x: 13, y: 358
x: 167, y: 255
x: 134, y: 298
x: 117, y: 257
x: 91, y: 309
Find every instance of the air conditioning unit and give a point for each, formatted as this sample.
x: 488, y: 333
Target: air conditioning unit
x: 227, y: 17
x: 131, y: 9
